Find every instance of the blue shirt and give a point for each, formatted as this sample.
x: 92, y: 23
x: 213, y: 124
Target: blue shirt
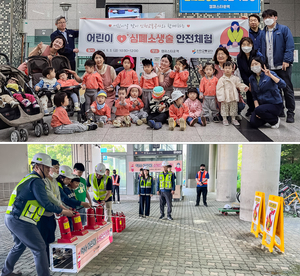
x: 68, y: 197
x: 256, y: 38
x: 172, y: 181
x: 201, y: 177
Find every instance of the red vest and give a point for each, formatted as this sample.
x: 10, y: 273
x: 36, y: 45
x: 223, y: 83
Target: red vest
x: 203, y: 176
x: 115, y: 179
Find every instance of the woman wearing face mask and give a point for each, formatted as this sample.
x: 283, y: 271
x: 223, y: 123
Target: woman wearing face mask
x: 163, y: 72
x: 247, y: 53
x: 265, y: 87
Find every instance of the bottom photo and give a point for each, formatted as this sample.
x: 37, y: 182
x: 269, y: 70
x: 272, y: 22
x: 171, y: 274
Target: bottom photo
x: 150, y: 209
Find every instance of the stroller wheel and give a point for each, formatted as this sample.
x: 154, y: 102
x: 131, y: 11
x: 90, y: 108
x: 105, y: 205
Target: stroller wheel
x: 15, y: 136
x: 38, y: 130
x: 46, y: 129
x: 24, y: 134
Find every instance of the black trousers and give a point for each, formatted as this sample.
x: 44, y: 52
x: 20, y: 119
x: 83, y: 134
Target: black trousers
x: 288, y: 91
x: 116, y: 189
x: 165, y: 197
x: 47, y: 227
x: 203, y: 191
x: 250, y: 101
x: 268, y: 113
x: 145, y: 205
x: 158, y: 117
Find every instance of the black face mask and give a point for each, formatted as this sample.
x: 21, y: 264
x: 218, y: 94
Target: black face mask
x: 201, y: 169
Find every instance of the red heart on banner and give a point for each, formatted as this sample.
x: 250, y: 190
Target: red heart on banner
x: 109, y: 25
x: 121, y: 38
x: 188, y: 26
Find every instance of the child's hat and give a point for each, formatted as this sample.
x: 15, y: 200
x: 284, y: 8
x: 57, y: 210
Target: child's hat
x: 176, y: 95
x: 158, y: 92
x: 147, y: 62
x: 130, y: 59
x: 134, y: 86
x: 102, y: 93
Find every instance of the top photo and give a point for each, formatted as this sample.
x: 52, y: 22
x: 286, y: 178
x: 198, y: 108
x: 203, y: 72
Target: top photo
x: 177, y: 71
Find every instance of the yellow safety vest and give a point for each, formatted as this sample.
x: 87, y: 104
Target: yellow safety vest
x: 32, y: 211
x: 146, y: 184
x: 165, y: 182
x: 99, y: 190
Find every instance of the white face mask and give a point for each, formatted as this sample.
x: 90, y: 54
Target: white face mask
x: 246, y: 49
x: 269, y: 21
x: 256, y: 69
x: 54, y: 175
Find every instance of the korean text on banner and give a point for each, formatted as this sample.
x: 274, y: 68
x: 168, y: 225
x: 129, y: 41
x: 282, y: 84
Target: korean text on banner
x: 258, y: 214
x: 197, y: 38
x: 154, y: 166
x: 274, y: 225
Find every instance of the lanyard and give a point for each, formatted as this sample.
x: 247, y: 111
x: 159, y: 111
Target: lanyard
x: 270, y: 39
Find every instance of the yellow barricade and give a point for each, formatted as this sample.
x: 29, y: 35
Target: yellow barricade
x: 273, y: 225
x: 258, y: 215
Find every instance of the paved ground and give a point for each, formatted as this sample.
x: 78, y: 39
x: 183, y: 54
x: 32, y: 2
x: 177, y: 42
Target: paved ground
x: 199, y: 241
x: 211, y: 133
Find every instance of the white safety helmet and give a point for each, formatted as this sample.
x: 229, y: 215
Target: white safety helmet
x: 100, y: 169
x: 43, y: 159
x: 66, y: 171
x: 176, y: 95
x: 146, y: 168
x: 227, y: 206
x: 165, y: 164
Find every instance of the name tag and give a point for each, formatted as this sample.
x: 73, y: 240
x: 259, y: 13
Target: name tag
x: 70, y: 35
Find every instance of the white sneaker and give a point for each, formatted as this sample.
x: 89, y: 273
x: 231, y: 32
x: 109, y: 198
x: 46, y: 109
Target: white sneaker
x: 277, y: 125
x: 119, y: 202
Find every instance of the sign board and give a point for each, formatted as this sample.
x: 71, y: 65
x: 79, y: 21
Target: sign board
x: 178, y: 152
x: 152, y: 38
x: 154, y: 166
x: 258, y: 214
x: 82, y: 251
x: 103, y: 150
x: 105, y: 158
x: 219, y: 6
x: 273, y: 225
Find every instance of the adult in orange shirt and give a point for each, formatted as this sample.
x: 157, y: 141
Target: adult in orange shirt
x: 178, y: 111
x: 91, y: 82
x: 100, y: 111
x: 60, y: 119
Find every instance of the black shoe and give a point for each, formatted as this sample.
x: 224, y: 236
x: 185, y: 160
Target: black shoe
x: 248, y: 113
x: 161, y: 217
x: 197, y: 205
x: 220, y: 117
x: 205, y: 205
x: 170, y: 218
x: 92, y: 127
x: 290, y: 118
x: 216, y: 119
x: 15, y: 274
x: 282, y: 115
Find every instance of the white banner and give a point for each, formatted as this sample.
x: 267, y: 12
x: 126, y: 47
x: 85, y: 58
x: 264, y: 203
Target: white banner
x: 152, y: 38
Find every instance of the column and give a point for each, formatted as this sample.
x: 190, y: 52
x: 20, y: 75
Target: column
x: 212, y: 168
x: 227, y: 172
x: 129, y: 175
x: 260, y: 172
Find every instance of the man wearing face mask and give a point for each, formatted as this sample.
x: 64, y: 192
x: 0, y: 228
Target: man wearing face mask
x: 201, y: 177
x: 255, y: 31
x: 277, y: 47
x: 27, y: 204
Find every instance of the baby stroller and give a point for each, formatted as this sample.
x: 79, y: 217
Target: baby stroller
x: 36, y: 64
x: 15, y: 117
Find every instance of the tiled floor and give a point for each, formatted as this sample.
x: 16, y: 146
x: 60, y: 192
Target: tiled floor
x: 200, y: 241
x: 211, y: 133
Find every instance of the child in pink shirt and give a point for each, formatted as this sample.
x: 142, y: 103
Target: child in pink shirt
x: 180, y: 74
x: 195, y: 108
x: 126, y: 77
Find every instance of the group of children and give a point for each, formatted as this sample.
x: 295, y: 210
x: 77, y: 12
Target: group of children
x: 144, y: 101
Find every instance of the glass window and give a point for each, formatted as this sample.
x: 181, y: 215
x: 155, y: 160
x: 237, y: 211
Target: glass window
x: 113, y: 148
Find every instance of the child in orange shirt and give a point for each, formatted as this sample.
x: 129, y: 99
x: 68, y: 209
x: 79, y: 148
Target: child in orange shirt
x: 92, y: 82
x: 148, y: 81
x: 64, y: 81
x: 122, y: 112
x: 126, y: 77
x: 60, y: 120
x: 137, y: 114
x: 180, y: 74
x: 208, y: 86
x: 100, y: 112
x: 178, y: 111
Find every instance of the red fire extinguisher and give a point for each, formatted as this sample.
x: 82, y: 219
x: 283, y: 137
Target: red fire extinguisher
x: 91, y: 223
x: 123, y: 221
x: 77, y: 225
x: 100, y: 215
x: 118, y: 223
x: 65, y: 232
x: 113, y: 219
